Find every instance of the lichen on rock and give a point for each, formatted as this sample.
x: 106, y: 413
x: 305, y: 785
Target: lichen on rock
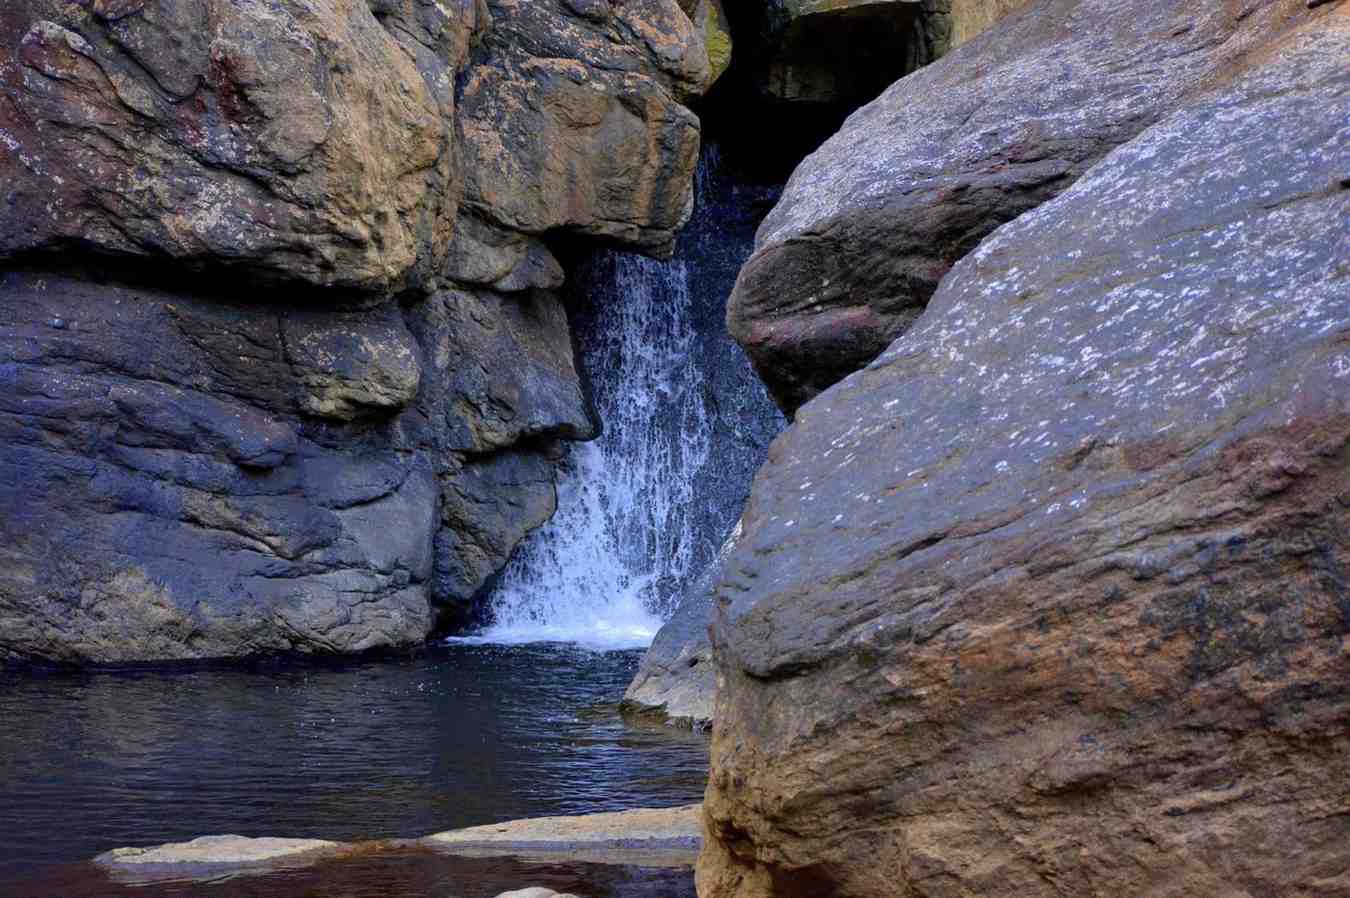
x: 1049, y: 597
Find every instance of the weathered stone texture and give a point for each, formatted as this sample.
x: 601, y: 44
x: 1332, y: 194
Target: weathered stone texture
x: 970, y: 18
x: 575, y: 123
x: 193, y: 477
x: 1050, y: 599
x: 871, y: 222
x: 281, y: 366
x: 294, y: 141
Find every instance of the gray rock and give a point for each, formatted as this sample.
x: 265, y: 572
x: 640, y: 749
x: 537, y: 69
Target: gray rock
x: 168, y: 492
x: 676, y: 681
x: 351, y: 364
x: 1050, y: 597
x: 219, y: 850
x: 312, y: 444
x: 872, y: 221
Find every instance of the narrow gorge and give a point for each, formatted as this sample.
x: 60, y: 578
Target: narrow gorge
x: 733, y: 448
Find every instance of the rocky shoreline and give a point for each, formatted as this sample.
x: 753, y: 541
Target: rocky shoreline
x: 645, y: 837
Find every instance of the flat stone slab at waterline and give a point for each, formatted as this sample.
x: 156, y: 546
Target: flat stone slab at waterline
x: 208, y: 854
x: 643, y: 837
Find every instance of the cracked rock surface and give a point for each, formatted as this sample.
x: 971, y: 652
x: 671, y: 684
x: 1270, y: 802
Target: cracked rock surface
x: 871, y: 222
x: 282, y: 364
x: 1050, y: 598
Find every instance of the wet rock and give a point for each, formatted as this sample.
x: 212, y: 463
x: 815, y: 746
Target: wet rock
x: 1050, y: 598
x: 488, y: 507
x: 218, y: 850
x: 872, y: 221
x: 676, y: 681
x: 640, y: 837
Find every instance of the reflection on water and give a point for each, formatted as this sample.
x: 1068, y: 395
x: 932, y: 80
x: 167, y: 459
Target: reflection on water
x: 459, y: 736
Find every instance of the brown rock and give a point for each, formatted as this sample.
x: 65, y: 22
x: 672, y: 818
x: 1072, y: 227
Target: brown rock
x: 971, y: 18
x: 296, y: 141
x: 1051, y: 598
x: 575, y: 123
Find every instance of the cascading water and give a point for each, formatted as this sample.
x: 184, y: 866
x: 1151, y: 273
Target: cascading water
x: 644, y: 507
x: 624, y: 524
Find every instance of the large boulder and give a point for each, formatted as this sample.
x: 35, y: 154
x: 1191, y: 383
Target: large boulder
x: 190, y: 475
x: 871, y: 222
x: 571, y: 119
x: 294, y: 141
x: 283, y: 366
x: 1051, y: 597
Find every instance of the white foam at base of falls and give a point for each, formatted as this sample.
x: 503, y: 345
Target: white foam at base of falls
x: 607, y: 569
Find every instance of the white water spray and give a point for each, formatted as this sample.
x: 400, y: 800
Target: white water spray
x: 607, y: 569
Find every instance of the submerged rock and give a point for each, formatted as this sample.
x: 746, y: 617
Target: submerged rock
x: 872, y: 221
x: 1050, y: 598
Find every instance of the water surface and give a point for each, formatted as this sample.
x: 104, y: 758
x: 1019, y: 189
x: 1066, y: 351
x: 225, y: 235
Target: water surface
x: 457, y: 736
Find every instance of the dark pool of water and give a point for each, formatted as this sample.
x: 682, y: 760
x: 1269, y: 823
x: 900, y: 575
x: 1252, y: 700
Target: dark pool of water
x: 458, y: 736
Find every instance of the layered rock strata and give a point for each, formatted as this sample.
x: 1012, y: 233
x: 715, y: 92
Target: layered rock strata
x: 283, y: 366
x: 1050, y: 599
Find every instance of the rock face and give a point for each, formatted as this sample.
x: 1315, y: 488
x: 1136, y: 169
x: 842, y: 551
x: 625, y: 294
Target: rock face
x: 299, y: 142
x: 971, y: 18
x: 281, y: 364
x: 1050, y: 599
x: 676, y: 680
x: 871, y: 222
x: 573, y: 120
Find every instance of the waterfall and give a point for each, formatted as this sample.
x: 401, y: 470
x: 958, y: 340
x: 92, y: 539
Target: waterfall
x: 624, y: 528
x: 640, y: 509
